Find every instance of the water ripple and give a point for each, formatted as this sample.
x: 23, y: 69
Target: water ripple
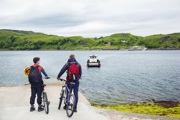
x: 125, y: 76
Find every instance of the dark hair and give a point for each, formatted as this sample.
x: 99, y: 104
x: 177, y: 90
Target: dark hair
x: 35, y: 59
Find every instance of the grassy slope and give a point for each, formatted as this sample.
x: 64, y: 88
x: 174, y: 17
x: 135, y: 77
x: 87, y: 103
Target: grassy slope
x: 28, y: 40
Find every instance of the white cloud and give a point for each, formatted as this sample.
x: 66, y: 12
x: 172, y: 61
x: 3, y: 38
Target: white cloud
x: 91, y: 18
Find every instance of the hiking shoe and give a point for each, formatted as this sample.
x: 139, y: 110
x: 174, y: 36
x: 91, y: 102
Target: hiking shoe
x: 64, y: 107
x: 75, y: 110
x: 40, y: 108
x: 32, y: 109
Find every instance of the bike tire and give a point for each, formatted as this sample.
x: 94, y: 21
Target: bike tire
x: 61, y: 99
x: 46, y: 103
x: 70, y: 106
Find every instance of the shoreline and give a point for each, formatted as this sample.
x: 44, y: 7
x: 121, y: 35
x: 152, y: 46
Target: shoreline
x: 157, y: 108
x: 117, y: 115
x: 158, y: 49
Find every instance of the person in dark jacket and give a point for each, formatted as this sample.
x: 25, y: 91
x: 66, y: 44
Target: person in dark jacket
x: 72, y: 60
x: 37, y: 88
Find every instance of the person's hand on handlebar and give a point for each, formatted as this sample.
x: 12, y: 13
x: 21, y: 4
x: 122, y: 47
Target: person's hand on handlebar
x: 47, y: 77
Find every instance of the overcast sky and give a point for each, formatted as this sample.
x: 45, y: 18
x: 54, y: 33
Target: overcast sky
x: 91, y: 18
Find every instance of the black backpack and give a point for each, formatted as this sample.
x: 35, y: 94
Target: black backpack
x: 34, y: 75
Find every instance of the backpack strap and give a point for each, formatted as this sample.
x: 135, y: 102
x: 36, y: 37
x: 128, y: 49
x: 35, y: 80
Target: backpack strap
x: 34, y: 67
x: 31, y: 66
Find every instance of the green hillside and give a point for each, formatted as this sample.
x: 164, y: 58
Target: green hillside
x: 28, y: 40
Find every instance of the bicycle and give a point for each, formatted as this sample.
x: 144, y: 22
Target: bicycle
x: 45, y: 101
x: 69, y: 98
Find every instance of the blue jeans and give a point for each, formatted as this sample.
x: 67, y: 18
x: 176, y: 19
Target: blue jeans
x: 76, y: 89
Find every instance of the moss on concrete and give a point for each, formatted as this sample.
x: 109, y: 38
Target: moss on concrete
x: 146, y: 108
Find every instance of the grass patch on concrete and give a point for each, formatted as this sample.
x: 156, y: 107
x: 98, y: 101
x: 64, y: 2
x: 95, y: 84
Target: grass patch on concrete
x: 160, y: 108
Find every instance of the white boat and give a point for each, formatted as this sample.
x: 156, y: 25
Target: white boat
x: 137, y: 48
x: 93, y: 61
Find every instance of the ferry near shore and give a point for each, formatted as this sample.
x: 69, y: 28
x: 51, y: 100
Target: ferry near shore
x: 93, y: 61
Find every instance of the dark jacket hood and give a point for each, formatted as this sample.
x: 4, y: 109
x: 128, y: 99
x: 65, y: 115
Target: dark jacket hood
x: 71, y: 60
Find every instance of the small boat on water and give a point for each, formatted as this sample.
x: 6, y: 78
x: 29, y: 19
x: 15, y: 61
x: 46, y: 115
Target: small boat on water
x: 93, y: 61
x: 137, y: 48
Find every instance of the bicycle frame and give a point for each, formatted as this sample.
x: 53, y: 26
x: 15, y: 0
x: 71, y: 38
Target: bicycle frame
x: 67, y: 92
x: 45, y: 100
x: 68, y: 96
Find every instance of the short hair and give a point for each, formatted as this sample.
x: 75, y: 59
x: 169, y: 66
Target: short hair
x: 72, y: 56
x: 36, y: 59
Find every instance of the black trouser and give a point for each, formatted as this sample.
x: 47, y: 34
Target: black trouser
x: 36, y: 89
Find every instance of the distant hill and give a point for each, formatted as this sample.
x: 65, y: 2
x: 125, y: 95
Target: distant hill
x: 29, y: 40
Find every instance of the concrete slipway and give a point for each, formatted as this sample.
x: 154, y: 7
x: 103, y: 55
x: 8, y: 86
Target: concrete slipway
x: 14, y: 105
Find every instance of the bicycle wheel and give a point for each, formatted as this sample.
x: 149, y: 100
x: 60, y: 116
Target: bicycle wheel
x: 70, y: 105
x: 61, y: 98
x: 46, y: 103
